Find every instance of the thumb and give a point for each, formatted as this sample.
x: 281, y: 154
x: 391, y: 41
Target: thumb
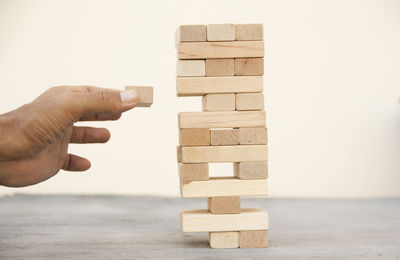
x: 107, y: 101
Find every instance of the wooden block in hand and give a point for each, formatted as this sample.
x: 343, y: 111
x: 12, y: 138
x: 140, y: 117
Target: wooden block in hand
x: 191, y: 68
x: 214, y: 50
x: 224, y: 136
x: 221, y: 32
x: 201, y: 220
x: 249, y: 67
x: 145, y: 95
x: 199, y: 86
x: 221, y: 119
x: 192, y: 33
x: 220, y: 67
x: 249, y: 32
x: 223, y: 187
x: 194, y: 136
x: 219, y: 102
x: 193, y: 171
x: 249, y: 101
x: 224, y: 239
x: 224, y: 205
x: 253, y: 239
x: 253, y: 135
x: 251, y: 170
x: 214, y: 154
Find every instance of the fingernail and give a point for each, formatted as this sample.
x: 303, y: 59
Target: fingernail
x: 129, y: 97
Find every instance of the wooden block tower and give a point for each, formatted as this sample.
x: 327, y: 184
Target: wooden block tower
x: 224, y: 64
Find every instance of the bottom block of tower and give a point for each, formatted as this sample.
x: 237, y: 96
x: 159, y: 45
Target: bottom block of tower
x: 253, y: 239
x: 224, y: 239
x: 201, y: 220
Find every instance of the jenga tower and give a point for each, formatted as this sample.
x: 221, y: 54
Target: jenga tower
x: 223, y: 63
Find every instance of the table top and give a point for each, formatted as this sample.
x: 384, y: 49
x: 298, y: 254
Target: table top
x: 135, y: 227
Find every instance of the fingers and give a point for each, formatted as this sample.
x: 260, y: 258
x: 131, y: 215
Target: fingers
x: 83, y: 135
x: 93, y: 101
x: 75, y: 163
x: 101, y: 117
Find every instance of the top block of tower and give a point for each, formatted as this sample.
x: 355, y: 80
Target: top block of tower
x: 192, y: 33
x: 249, y: 32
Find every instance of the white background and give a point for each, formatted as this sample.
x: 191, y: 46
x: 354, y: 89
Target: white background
x: 332, y: 88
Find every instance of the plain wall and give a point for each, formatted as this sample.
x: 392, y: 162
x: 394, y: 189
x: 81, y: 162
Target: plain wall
x: 332, y: 88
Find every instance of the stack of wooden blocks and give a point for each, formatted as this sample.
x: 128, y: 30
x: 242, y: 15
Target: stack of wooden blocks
x: 224, y: 64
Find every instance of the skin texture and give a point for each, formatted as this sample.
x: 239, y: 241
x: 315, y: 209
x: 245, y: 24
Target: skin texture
x: 34, y: 138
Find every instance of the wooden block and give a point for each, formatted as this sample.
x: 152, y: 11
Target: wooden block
x: 199, y: 86
x: 219, y: 102
x: 253, y: 239
x: 220, y: 67
x: 251, y: 170
x: 192, y: 33
x: 221, y: 119
x: 249, y: 67
x: 145, y: 95
x: 249, y: 101
x: 193, y: 171
x: 223, y: 187
x: 214, y: 50
x: 214, y: 154
x: 201, y: 220
x: 224, y: 239
x: 191, y: 68
x: 253, y: 135
x: 178, y: 154
x: 224, y: 205
x: 249, y: 32
x: 194, y: 136
x: 224, y: 136
x: 221, y: 32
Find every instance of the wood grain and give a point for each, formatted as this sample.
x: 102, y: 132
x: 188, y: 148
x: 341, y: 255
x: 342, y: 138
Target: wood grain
x: 213, y: 50
x: 223, y: 187
x: 203, y: 221
x: 221, y: 119
x: 224, y: 205
x: 199, y: 86
x: 224, y: 239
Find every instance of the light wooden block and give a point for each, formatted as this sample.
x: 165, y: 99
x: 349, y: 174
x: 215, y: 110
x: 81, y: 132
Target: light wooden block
x: 249, y: 101
x: 203, y: 221
x: 253, y: 135
x: 178, y: 154
x: 224, y: 205
x: 251, y: 170
x: 220, y: 67
x: 194, y: 136
x: 191, y: 68
x: 219, y: 102
x: 192, y: 33
x: 199, y: 86
x: 221, y: 32
x: 215, y: 154
x: 145, y: 95
x: 214, y: 50
x: 193, y: 171
x: 221, y: 119
x: 223, y: 187
x: 249, y: 32
x: 224, y: 136
x: 253, y: 239
x: 249, y: 67
x: 224, y: 239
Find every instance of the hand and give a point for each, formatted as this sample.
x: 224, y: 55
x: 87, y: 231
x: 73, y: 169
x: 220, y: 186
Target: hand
x: 34, y: 138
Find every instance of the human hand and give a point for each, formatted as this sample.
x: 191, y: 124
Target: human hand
x: 34, y: 138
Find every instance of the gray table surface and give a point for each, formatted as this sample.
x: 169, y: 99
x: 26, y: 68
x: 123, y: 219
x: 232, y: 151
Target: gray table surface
x: 129, y: 227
